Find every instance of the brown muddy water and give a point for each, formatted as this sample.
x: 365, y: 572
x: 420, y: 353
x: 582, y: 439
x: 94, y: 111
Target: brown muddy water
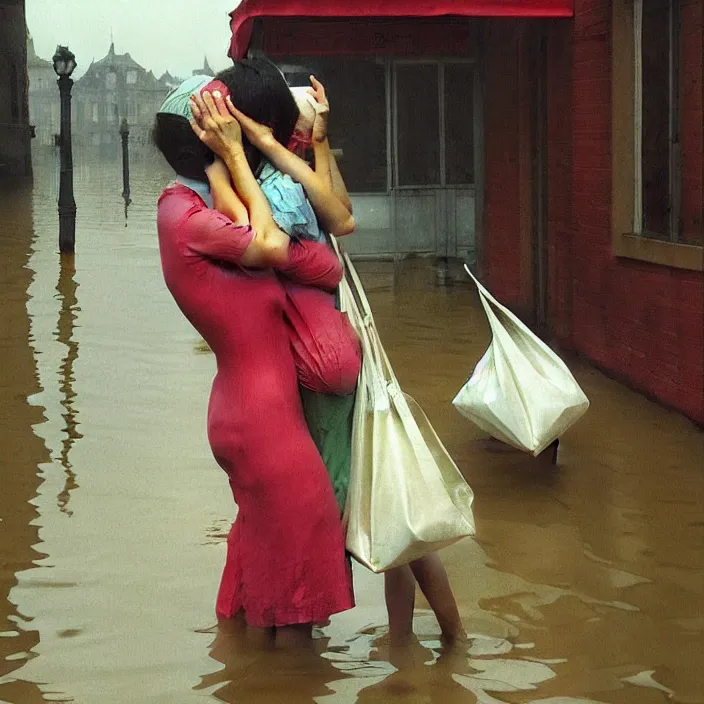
x: 585, y: 583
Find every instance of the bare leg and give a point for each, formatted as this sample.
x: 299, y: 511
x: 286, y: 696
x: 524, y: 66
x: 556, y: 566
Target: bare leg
x: 433, y: 582
x: 295, y: 637
x: 400, y: 593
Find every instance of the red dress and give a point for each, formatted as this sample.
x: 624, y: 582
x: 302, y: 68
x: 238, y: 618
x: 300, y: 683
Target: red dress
x: 286, y: 552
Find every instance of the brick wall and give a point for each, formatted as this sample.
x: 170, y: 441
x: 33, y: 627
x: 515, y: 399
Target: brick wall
x: 559, y: 162
x: 643, y: 323
x: 14, y: 109
x: 502, y: 254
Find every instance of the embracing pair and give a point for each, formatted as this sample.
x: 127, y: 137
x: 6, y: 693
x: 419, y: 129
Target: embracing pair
x: 243, y: 236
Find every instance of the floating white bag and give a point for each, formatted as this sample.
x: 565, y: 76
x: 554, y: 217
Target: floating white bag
x: 406, y: 498
x: 521, y: 392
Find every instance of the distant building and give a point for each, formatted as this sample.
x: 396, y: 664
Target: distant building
x: 171, y: 81
x: 206, y: 70
x: 114, y: 88
x: 44, y: 102
x: 15, y: 132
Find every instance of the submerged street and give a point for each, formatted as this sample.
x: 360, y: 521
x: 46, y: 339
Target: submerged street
x: 585, y: 583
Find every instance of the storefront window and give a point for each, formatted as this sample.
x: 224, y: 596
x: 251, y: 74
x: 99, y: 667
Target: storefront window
x: 418, y: 124
x: 434, y: 122
x: 357, y: 91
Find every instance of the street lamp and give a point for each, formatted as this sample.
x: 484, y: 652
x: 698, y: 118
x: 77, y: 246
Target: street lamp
x: 64, y: 64
x: 125, y: 135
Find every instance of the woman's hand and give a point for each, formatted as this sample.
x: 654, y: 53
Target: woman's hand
x: 260, y: 136
x: 322, y: 110
x: 214, y: 124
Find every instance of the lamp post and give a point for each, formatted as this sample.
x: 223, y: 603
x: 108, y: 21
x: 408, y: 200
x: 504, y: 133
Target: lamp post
x: 125, y: 135
x: 64, y: 64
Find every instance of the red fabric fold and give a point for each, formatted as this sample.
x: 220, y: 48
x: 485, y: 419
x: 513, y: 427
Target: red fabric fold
x: 248, y: 10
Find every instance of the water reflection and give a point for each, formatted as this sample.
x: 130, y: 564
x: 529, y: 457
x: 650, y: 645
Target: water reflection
x: 585, y: 583
x: 67, y: 288
x: 252, y: 674
x: 22, y: 451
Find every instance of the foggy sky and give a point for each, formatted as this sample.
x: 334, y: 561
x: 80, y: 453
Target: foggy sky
x: 161, y: 35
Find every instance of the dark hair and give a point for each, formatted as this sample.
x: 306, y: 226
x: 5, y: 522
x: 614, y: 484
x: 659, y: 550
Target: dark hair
x: 175, y: 139
x: 258, y: 88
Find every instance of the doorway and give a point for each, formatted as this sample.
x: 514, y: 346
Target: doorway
x: 433, y: 157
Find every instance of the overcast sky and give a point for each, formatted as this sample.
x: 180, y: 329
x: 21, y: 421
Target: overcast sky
x: 161, y: 35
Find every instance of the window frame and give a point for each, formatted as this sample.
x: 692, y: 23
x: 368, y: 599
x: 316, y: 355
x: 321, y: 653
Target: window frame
x: 289, y: 65
x: 440, y: 63
x: 627, y: 239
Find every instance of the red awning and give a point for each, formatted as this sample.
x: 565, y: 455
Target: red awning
x: 248, y: 10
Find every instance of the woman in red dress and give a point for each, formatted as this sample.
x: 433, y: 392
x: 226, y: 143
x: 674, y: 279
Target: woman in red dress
x: 287, y: 542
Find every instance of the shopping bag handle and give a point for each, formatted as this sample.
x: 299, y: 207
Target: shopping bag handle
x: 356, y: 305
x: 489, y: 303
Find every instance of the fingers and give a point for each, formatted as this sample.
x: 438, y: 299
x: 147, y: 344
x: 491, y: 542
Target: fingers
x: 319, y: 89
x: 231, y: 107
x: 198, y: 107
x: 220, y: 104
x: 199, y: 132
x: 197, y: 112
x: 237, y: 114
x: 210, y: 104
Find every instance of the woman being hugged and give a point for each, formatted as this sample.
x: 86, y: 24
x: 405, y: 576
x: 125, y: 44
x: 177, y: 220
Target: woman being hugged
x: 330, y: 418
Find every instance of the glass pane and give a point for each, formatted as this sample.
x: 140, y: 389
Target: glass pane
x: 656, y: 117
x: 459, y: 124
x: 689, y: 39
x: 418, y: 124
x: 357, y: 92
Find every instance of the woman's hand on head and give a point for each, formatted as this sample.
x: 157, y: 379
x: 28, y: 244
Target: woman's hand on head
x: 322, y: 110
x: 260, y: 136
x: 214, y: 124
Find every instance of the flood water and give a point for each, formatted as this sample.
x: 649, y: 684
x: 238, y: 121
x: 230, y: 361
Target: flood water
x: 585, y: 583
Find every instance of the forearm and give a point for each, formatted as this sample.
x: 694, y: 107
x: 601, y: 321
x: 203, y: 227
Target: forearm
x: 226, y: 237
x: 249, y: 192
x: 226, y: 201
x: 323, y: 167
x: 333, y: 215
x: 331, y: 168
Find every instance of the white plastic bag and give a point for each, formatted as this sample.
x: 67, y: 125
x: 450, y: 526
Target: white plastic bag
x: 406, y: 498
x: 521, y: 392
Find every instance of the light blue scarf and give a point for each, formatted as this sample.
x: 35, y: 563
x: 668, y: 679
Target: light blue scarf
x: 177, y: 102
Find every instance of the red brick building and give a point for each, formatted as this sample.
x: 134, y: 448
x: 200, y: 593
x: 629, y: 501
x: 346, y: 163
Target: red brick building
x: 555, y: 144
